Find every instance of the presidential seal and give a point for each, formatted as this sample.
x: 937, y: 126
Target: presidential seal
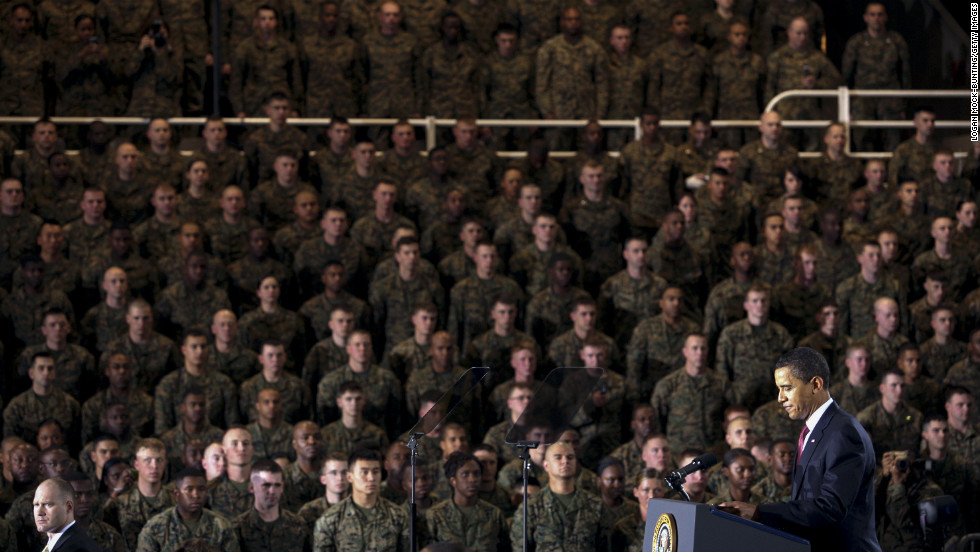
x: 665, y: 534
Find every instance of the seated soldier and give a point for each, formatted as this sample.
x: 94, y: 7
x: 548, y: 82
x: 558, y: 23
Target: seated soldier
x: 439, y: 373
x: 107, y: 320
x: 319, y: 310
x: 191, y: 492
x: 642, y: 423
x: 295, y: 396
x: 696, y: 484
x: 226, y: 355
x: 303, y: 482
x: 271, y: 435
x: 524, y: 363
x: 20, y: 311
x: 496, y: 346
x: 333, y: 476
x: 890, y: 422
x: 739, y: 467
x: 565, y: 348
x: 547, y: 310
x: 331, y: 352
x: 193, y: 424
x: 447, y: 521
x: 271, y: 202
x: 489, y: 490
x: 75, y: 366
x: 922, y: 392
x: 43, y: 401
x: 629, y: 530
x: 520, y: 395
x: 121, y: 250
x: 86, y: 506
x: 192, y: 300
x: 351, y: 431
x: 610, y: 484
x: 777, y: 485
x: 286, y: 240
x: 229, y: 494
x: 246, y: 274
x: 857, y: 392
x: 942, y: 350
x: 413, y: 353
x: 227, y: 231
x: 266, y: 525
x: 130, y: 511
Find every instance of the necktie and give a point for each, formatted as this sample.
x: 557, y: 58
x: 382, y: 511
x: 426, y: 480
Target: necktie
x: 47, y: 547
x: 799, y: 444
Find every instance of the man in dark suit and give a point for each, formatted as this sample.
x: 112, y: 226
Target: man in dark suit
x: 833, y: 479
x: 54, y: 515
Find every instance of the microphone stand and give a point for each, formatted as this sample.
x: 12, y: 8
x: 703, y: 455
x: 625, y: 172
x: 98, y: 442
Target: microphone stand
x: 676, y: 481
x: 525, y: 456
x: 413, y: 446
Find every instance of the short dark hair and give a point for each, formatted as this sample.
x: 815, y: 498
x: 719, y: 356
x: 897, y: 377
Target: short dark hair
x: 932, y: 417
x: 456, y: 460
x: 607, y: 462
x: 266, y: 465
x: 735, y: 454
x: 188, y: 472
x: 363, y: 454
x: 193, y: 390
x: 350, y: 386
x: 780, y: 441
x: 805, y: 364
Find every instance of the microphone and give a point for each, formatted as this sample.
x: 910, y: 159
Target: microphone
x: 702, y: 462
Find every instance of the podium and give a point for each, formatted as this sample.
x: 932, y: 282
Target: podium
x: 676, y: 526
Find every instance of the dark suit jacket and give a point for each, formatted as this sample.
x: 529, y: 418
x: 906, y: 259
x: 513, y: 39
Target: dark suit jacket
x: 833, y: 488
x: 75, y: 539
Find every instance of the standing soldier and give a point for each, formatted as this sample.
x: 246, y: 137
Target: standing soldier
x: 266, y: 526
x: 332, y: 65
x: 188, y: 518
x: 506, y: 85
x: 738, y: 79
x: 572, y: 79
x: 649, y: 172
x: 679, y: 73
x: 629, y: 72
x: 767, y: 159
x: 263, y: 64
x: 448, y: 72
x: 876, y: 59
x: 392, y: 67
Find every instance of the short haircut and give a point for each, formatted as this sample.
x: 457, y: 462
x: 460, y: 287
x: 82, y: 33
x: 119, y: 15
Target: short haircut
x: 194, y: 331
x: 780, y: 441
x: 349, y: 386
x: 956, y: 390
x: 193, y: 390
x: 188, y: 472
x: 266, y: 465
x: 150, y: 443
x: 486, y: 447
x: 648, y: 473
x: 64, y: 489
x: 607, y: 462
x: 41, y: 354
x: 932, y: 417
x: 456, y: 460
x: 734, y: 454
x: 805, y: 364
x: 363, y: 454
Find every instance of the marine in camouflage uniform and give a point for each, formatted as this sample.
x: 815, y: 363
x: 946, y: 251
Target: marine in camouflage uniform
x: 334, y: 72
x: 339, y: 438
x: 314, y: 254
x: 392, y: 74
x: 876, y: 62
x: 317, y: 312
x: 287, y: 240
x: 774, y: 18
x: 74, y: 366
x: 448, y: 77
x: 382, y: 392
x: 184, y: 307
x: 568, y: 523
x: 689, y: 408
x: 221, y: 398
x: 771, y: 420
x: 530, y: 265
x: 564, y: 349
x: 225, y: 168
x: 166, y: 531
x: 229, y: 241
x: 272, y: 202
x: 746, y: 353
x: 139, y: 406
x: 425, y: 379
x: 506, y: 88
x: 142, y: 277
x: 261, y: 67
x: 898, y: 527
x: 724, y: 306
x: 653, y: 352
x: 151, y: 359
x: 269, y: 442
x: 285, y: 325
x: 287, y: 532
x: 480, y: 527
x: 679, y: 77
x: 470, y: 302
x: 892, y: 431
x: 831, y: 178
x: 295, y: 396
x: 965, y: 373
x: 176, y: 439
x: 536, y: 21
x: 27, y: 411
x: 393, y: 300
x: 772, y: 491
x: 794, y: 306
x: 853, y: 399
x: 346, y: 527
x: 596, y: 230
x: 572, y: 79
x: 764, y: 167
x: 786, y: 70
x: 650, y: 21
x: 130, y: 511
x: 625, y: 302
x: 649, y: 173
x: 938, y: 359
x: 229, y: 498
x: 324, y: 357
x: 238, y: 363
x: 855, y: 298
x: 27, y: 62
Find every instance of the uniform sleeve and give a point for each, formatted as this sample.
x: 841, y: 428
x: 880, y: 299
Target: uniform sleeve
x: 542, y: 81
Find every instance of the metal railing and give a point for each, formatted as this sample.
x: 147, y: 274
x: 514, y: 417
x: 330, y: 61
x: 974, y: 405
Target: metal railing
x: 432, y: 124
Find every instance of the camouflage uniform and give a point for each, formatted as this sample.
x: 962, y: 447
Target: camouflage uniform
x: 239, y: 363
x: 141, y: 276
x: 295, y: 396
x: 26, y: 64
x: 85, y: 82
x: 570, y: 523
x: 771, y: 420
x: 375, y: 235
x: 272, y: 203
x: 229, y: 241
x: 222, y: 406
x: 448, y: 80
x: 185, y: 307
x: 481, y: 527
x: 382, y: 392
x: 856, y: 297
x: 773, y: 19
x: 957, y: 477
x: 128, y: 200
x: 530, y: 266
x: 346, y: 527
x: 898, y: 527
x: 596, y: 231
x: 548, y: 313
x: 176, y: 438
x: 260, y: 68
x: 649, y: 20
x: 794, y: 306
x: 898, y: 431
x: 226, y: 168
x: 314, y: 254
x: 166, y: 530
x: 334, y: 72
x: 832, y: 349
x: 392, y: 74
x: 679, y: 78
x: 726, y: 496
x: 474, y: 170
x: 653, y: 352
x: 940, y: 198
x: 74, y: 367
x: 287, y: 240
x: 425, y: 379
x: 20, y: 518
x: 261, y: 148
x: 565, y: 349
x: 139, y: 405
x: 492, y: 349
x: 83, y: 239
x: 317, y: 312
x: 506, y: 88
x: 966, y: 373
x: 628, y: 533
x: 937, y: 359
x: 272, y: 441
x: 724, y: 306
x: 25, y: 413
x: 835, y: 263
x: 25, y: 312
x: 536, y: 21
x: 130, y: 511
x: 339, y: 438
x: 247, y: 273
x: 624, y: 301
x: 911, y: 160
x: 772, y: 491
x: 925, y: 394
x: 172, y: 270
x: 312, y: 511
x: 108, y: 538
x: 876, y: 63
x: 746, y: 354
x: 150, y: 360
x: 853, y: 399
x: 229, y: 498
x: 967, y: 443
x: 883, y: 352
x: 470, y: 302
x: 649, y: 174
x: 774, y: 268
x: 690, y: 409
x: 405, y: 169
x: 960, y: 275
x: 833, y: 179
x: 393, y: 301
x: 58, y: 202
x: 324, y: 357
x: 572, y: 80
x: 156, y: 239
x: 764, y: 168
x: 285, y: 325
x: 19, y: 234
x: 289, y: 532
x: 330, y: 167
x: 497, y: 437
